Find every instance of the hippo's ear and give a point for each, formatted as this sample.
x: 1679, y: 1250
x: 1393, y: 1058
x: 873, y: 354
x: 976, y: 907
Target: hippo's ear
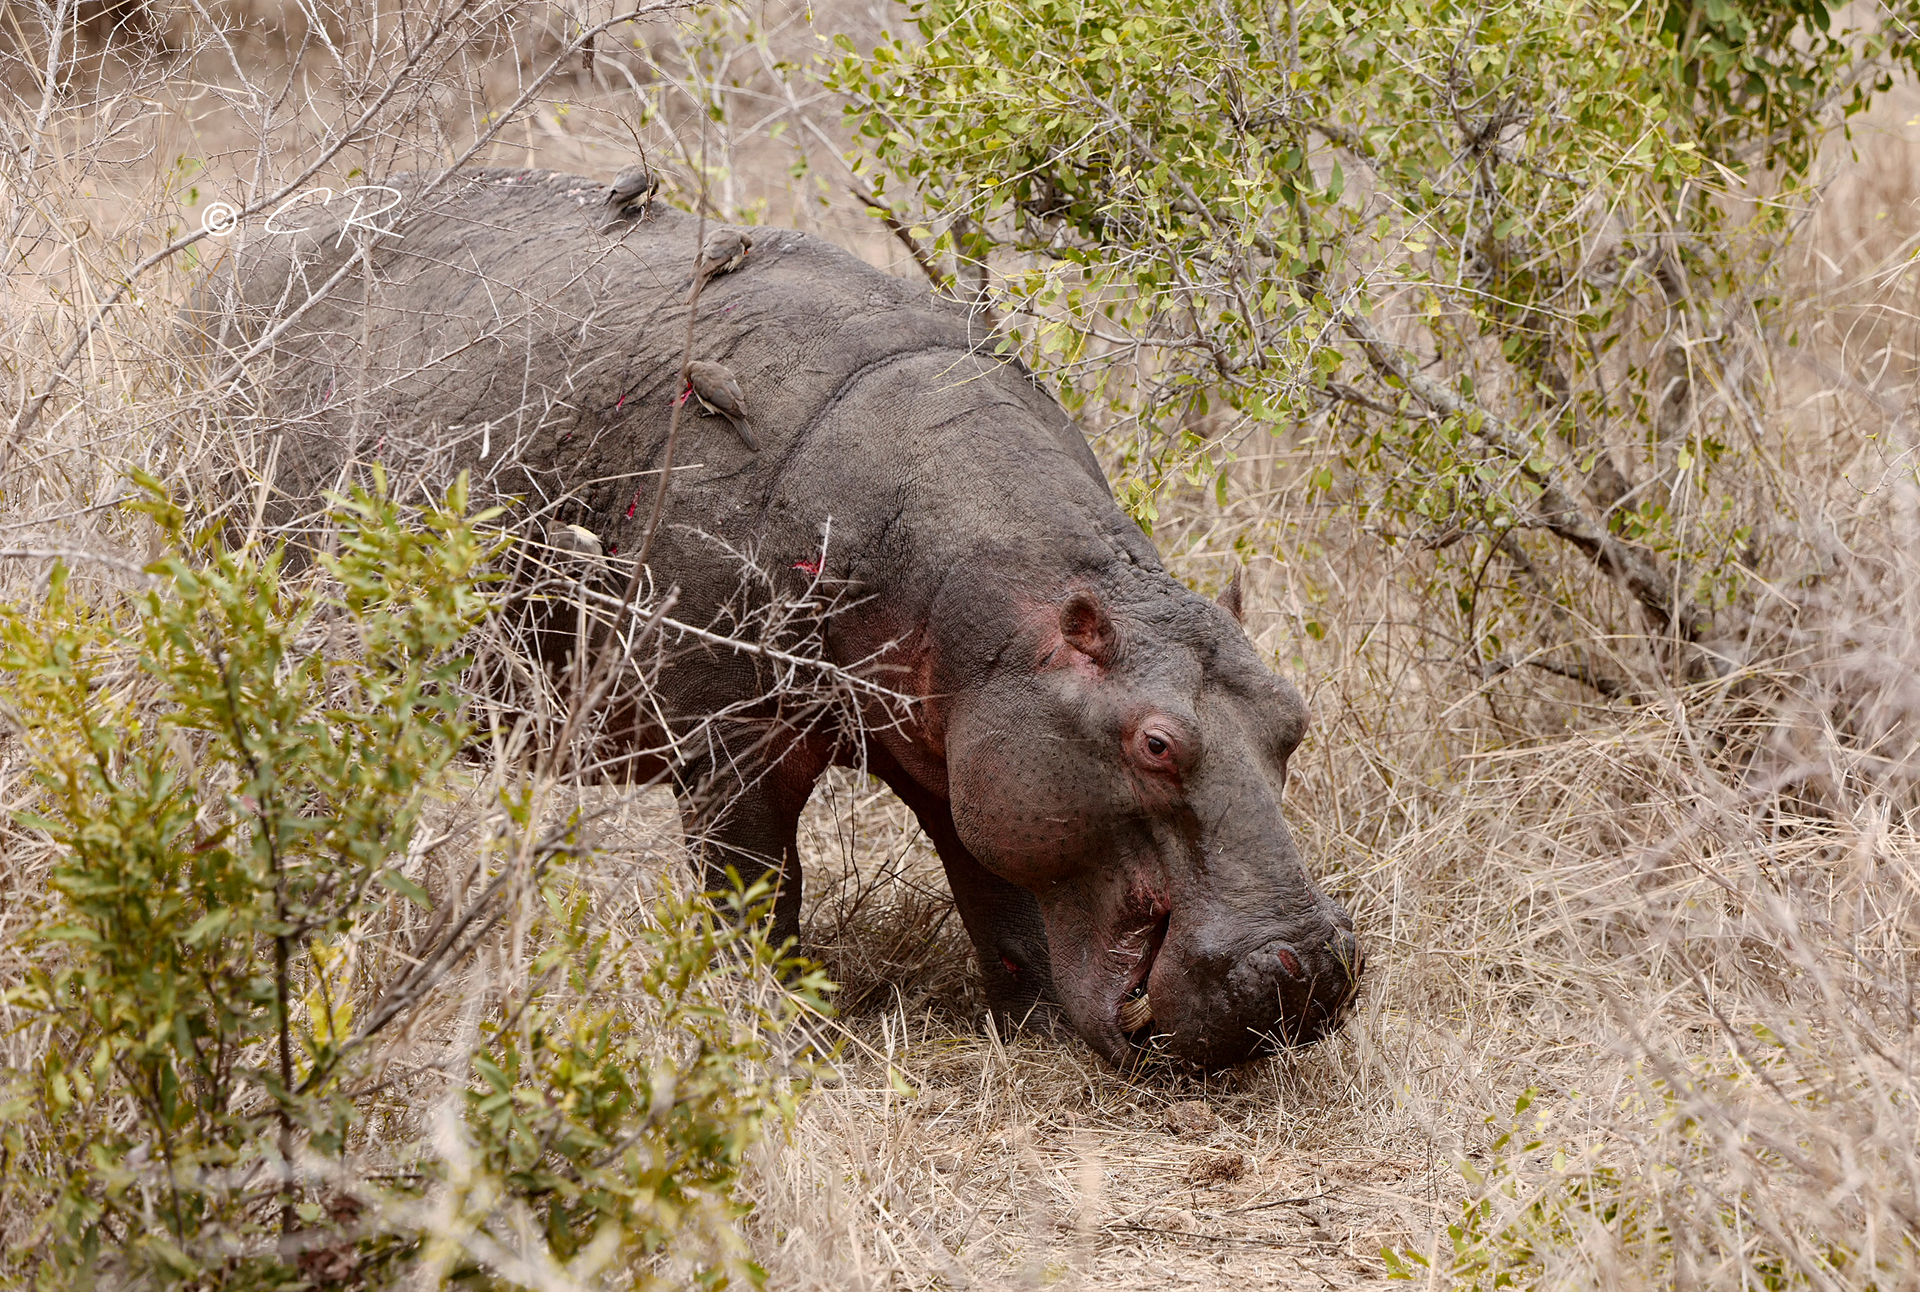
x: 1085, y: 626
x: 1229, y: 600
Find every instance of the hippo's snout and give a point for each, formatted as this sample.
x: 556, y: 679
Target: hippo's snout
x: 1346, y: 951
x: 1214, y: 1010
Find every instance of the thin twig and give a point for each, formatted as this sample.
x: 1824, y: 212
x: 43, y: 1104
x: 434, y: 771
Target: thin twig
x: 73, y: 554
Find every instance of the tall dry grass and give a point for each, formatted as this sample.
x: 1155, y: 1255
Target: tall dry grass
x: 1679, y: 927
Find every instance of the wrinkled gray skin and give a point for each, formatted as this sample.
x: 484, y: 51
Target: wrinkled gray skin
x: 1097, y: 752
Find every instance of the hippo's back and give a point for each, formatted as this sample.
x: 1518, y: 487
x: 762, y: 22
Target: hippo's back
x: 500, y: 328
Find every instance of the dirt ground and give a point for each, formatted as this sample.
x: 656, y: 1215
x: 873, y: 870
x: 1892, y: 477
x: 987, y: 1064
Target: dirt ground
x: 1027, y: 1161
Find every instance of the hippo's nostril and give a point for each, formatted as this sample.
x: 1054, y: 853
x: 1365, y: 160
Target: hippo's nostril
x: 1346, y: 952
x: 1288, y: 961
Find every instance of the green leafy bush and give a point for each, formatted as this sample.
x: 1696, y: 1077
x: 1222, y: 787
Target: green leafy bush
x: 1509, y: 252
x: 239, y: 941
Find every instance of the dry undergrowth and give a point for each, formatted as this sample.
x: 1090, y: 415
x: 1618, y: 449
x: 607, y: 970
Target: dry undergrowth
x: 1684, y: 929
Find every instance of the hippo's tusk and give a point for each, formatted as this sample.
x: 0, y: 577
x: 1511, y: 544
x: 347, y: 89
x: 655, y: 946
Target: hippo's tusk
x: 1136, y: 1014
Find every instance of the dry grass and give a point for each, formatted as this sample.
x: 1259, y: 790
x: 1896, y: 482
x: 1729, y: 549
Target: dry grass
x: 1688, y: 924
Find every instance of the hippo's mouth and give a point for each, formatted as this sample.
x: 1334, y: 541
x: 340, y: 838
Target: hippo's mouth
x: 1136, y: 1006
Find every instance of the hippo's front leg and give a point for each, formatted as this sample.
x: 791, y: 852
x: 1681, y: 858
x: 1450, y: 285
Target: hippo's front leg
x: 742, y: 811
x: 1008, y: 933
x: 1002, y: 919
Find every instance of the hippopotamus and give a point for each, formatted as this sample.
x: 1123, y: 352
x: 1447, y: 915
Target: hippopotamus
x: 1097, y: 752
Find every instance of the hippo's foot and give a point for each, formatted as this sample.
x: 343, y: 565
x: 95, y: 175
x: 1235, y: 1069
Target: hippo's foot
x: 1018, y: 1002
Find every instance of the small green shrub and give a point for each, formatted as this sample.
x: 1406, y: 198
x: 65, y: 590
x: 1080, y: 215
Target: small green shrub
x: 1541, y: 1213
x: 624, y: 1131
x: 233, y: 770
x: 1501, y: 1235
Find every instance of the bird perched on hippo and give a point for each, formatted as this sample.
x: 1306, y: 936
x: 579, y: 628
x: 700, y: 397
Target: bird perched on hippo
x: 1097, y: 752
x: 632, y: 187
x: 713, y: 387
x: 723, y: 251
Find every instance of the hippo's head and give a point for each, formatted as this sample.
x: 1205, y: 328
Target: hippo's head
x: 1124, y: 761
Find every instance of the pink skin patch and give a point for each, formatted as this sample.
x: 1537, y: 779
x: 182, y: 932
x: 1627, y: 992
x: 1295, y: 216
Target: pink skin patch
x: 1153, y: 894
x: 1136, y: 945
x: 614, y: 550
x: 622, y: 404
x: 808, y: 567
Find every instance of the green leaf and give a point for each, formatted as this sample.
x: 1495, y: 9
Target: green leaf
x: 394, y: 881
x: 208, y: 925
x: 491, y: 1073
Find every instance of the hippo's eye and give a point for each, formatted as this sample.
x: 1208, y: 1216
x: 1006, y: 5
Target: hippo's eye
x: 1158, y: 746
